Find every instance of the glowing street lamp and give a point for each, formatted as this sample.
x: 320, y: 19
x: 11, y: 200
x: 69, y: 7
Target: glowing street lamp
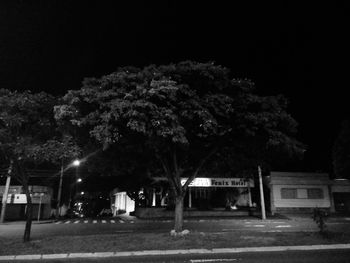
x: 79, y: 180
x: 76, y: 163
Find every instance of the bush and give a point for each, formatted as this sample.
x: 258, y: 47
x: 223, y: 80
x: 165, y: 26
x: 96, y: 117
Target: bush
x: 319, y: 216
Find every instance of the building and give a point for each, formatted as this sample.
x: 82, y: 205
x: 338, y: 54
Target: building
x: 206, y: 196
x: 340, y: 190
x: 16, y: 204
x: 121, y: 202
x: 299, y: 192
x: 284, y: 192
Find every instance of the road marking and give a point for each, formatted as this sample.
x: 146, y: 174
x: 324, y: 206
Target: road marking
x: 94, y: 222
x: 283, y: 226
x: 256, y: 226
x: 86, y: 221
x: 112, y: 221
x: 76, y: 222
x: 104, y: 221
x: 121, y: 221
x: 214, y: 260
x: 123, y: 231
x: 67, y: 222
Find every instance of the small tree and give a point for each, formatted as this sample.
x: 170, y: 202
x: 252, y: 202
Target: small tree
x: 184, y: 114
x: 341, y: 152
x: 27, y: 130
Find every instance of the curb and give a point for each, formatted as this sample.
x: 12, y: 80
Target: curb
x: 174, y: 252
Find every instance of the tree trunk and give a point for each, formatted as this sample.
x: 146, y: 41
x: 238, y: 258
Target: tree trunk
x: 179, y: 209
x: 29, y: 213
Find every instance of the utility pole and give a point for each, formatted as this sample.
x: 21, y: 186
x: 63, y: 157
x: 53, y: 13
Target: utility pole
x: 6, y: 191
x: 263, y: 213
x: 59, y: 192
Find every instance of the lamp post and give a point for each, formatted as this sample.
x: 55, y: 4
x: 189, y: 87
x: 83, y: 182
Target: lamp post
x: 75, y: 163
x: 58, y: 208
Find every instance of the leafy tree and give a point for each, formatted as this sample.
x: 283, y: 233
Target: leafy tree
x: 187, y: 115
x: 27, y: 130
x: 130, y: 171
x: 341, y: 152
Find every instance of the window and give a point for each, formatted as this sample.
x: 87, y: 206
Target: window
x: 288, y: 193
x: 301, y: 193
x: 315, y: 193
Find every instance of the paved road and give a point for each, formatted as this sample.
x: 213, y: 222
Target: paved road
x: 317, y: 256
x: 115, y: 225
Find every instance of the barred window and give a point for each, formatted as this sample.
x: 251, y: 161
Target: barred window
x: 288, y: 193
x: 315, y: 193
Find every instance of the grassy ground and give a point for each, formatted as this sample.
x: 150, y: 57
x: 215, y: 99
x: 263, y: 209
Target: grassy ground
x: 133, y: 242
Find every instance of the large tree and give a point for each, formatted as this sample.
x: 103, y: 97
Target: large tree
x: 186, y: 115
x: 29, y: 136
x: 341, y: 152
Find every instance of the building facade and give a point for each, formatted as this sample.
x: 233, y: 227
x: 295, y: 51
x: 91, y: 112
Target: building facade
x: 299, y: 192
x: 16, y: 204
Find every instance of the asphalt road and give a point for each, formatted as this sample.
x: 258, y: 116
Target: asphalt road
x: 314, y: 256
x: 112, y: 225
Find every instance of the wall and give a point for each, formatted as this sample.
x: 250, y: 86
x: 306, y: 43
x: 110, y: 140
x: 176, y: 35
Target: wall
x: 159, y: 212
x: 278, y: 180
x: 122, y: 202
x: 301, y: 202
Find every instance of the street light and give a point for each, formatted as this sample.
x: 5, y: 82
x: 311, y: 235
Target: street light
x: 74, y: 163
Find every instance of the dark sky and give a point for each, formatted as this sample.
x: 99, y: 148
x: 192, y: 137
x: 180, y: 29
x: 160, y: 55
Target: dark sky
x: 295, y: 48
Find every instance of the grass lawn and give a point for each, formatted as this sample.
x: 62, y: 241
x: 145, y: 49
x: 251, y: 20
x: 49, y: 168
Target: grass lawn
x: 163, y: 241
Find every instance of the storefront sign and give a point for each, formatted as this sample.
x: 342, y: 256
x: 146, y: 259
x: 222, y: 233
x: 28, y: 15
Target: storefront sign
x: 219, y: 182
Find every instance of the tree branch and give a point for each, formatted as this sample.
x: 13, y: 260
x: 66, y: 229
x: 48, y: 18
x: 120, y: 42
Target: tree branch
x: 167, y: 172
x: 202, y: 162
x: 177, y: 172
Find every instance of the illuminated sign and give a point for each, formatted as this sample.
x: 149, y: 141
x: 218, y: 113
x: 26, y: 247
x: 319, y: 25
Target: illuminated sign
x: 219, y: 182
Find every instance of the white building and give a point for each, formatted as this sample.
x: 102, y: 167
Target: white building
x: 121, y: 202
x: 299, y: 192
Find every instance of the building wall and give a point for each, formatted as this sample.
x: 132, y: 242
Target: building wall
x: 17, y: 200
x: 122, y: 202
x: 301, y: 201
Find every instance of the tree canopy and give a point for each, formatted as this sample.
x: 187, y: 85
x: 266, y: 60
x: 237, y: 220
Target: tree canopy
x: 29, y: 135
x: 184, y: 115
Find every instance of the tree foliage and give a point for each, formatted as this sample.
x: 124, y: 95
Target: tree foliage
x: 28, y: 135
x: 185, y: 116
x: 341, y: 152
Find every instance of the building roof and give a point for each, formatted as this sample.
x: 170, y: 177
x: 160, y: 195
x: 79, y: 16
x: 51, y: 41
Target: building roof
x: 300, y: 178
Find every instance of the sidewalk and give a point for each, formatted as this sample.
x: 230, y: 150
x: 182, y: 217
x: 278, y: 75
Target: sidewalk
x: 34, y: 222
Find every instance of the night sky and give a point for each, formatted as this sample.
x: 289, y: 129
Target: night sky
x: 297, y: 49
